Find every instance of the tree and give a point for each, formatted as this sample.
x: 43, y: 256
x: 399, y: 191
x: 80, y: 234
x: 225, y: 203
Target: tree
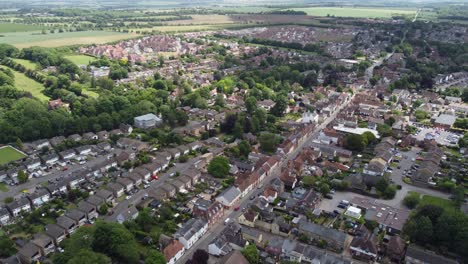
x: 268, y: 142
x: 411, y: 200
x: 200, y: 257
x: 244, y: 148
x: 219, y: 167
x: 7, y: 247
x: 103, y: 209
x: 324, y: 188
x: 421, y: 115
x: 251, y: 104
x: 384, y: 130
x: 281, y: 103
x: 88, y: 256
x: 115, y: 241
x: 22, y: 177
x: 155, y: 257
x: 355, y: 142
x: 251, y: 253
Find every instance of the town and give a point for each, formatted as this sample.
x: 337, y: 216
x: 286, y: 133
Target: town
x: 272, y: 143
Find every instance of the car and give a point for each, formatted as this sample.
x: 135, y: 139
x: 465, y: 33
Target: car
x: 336, y: 212
x: 82, y: 162
x: 328, y: 196
x: 236, y: 208
x: 398, y: 167
x: 65, y: 169
x: 343, y: 206
x: 146, y: 186
x: 128, y: 197
x: 252, y: 197
x: 332, y: 191
x: 227, y: 221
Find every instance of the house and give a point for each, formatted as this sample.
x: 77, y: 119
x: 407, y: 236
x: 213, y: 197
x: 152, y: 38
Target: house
x: 67, y: 154
x: 96, y: 201
x: 39, y: 197
x: 57, y: 188
x: 84, y: 150
x: 211, y: 212
x: 191, y: 231
x: 74, y: 137
x: 126, y: 183
x: 302, y: 253
x: 126, y: 129
x: 219, y: 247
x: 252, y: 235
x: 55, y: 141
x: 249, y: 217
x: 107, y: 195
x: 229, y: 197
x: 169, y: 189
x: 175, y: 153
x: 56, y: 232
x: 68, y: 224
x: 45, y: 243
x: 50, y: 159
x: 334, y: 238
x: 103, y: 135
x: 90, y: 136
x: 193, y: 173
x: 445, y: 121
x: 90, y: 210
x: 74, y: 181
x: 235, y: 257
x: 364, y: 246
x: 32, y: 164
x: 395, y: 249
x: 130, y: 214
x: 135, y: 178
x: 40, y: 144
x: 18, y: 206
x: 4, y: 216
x: 417, y: 255
x: 76, y: 215
x: 143, y: 172
x: 147, y: 121
x: 29, y: 253
x: 173, y: 251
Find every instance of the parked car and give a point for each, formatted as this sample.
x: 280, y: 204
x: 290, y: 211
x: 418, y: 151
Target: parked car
x: 328, y: 196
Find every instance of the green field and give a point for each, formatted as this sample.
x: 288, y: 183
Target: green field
x: 356, y: 12
x: 26, y: 63
x: 80, y: 59
x: 9, y: 154
x: 12, y: 27
x: 90, y: 93
x: 24, y: 83
x: 29, y: 39
x: 427, y: 199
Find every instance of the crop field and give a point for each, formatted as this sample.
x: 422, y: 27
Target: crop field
x: 24, y: 83
x: 80, y: 59
x: 26, y: 63
x: 9, y: 154
x: 203, y: 19
x: 29, y: 39
x: 12, y: 27
x: 356, y: 12
x: 185, y: 28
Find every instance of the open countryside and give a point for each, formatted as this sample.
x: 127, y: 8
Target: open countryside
x: 356, y: 12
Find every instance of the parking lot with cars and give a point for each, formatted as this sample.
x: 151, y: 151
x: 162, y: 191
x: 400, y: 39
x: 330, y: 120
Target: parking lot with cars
x: 441, y: 136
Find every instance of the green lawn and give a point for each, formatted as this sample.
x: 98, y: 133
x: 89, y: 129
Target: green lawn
x: 80, y: 59
x: 90, y: 93
x: 24, y: 83
x: 12, y: 27
x: 444, y: 203
x: 356, y: 12
x: 26, y: 63
x: 9, y: 154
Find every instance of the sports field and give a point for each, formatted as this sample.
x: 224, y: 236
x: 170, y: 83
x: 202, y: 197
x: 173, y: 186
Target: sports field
x: 80, y: 59
x: 29, y: 39
x: 356, y: 12
x: 9, y: 154
x: 24, y: 83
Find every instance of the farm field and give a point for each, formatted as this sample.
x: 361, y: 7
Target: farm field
x: 26, y: 63
x: 203, y: 19
x: 80, y: 59
x: 184, y: 28
x: 355, y: 12
x: 9, y: 154
x: 12, y: 27
x: 28, y: 39
x: 24, y: 83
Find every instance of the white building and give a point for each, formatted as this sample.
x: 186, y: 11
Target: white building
x: 191, y: 231
x: 147, y: 121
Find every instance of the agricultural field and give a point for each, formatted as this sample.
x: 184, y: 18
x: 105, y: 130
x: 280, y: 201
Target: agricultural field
x: 29, y: 39
x: 185, y: 28
x: 12, y: 27
x: 203, y: 20
x: 26, y: 63
x: 9, y: 154
x: 24, y: 83
x: 80, y: 59
x: 356, y: 12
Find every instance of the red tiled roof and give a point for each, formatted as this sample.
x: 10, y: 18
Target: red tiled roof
x: 172, y: 249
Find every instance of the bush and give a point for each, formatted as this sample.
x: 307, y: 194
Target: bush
x: 411, y: 200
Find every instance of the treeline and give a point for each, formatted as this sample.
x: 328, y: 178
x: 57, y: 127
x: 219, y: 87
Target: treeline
x: 288, y: 12
x: 311, y: 47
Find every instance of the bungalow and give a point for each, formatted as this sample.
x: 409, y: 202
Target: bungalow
x: 89, y: 209
x: 39, y: 197
x: 117, y: 189
x: 229, y: 197
x: 68, y: 224
x: 211, y: 212
x: 90, y: 136
x: 67, y: 154
x: 4, y: 216
x: 191, y: 231
x: 78, y: 216
x: 126, y: 183
x: 173, y: 251
x: 18, y: 206
x: 40, y: 144
x: 45, y: 243
x: 84, y: 150
x: 74, y: 137
x: 108, y: 196
x: 56, y: 232
x: 50, y: 159
x: 30, y: 253
x: 32, y: 164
